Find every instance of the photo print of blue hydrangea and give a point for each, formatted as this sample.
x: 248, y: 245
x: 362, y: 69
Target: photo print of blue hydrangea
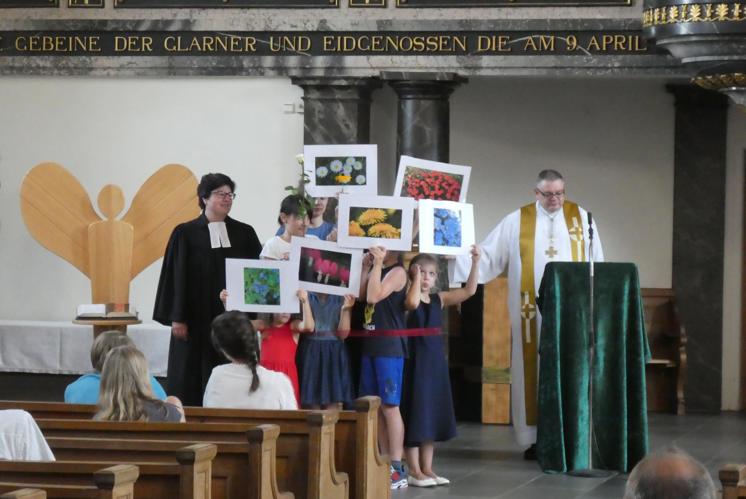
x: 342, y: 170
x: 261, y: 286
x: 447, y: 227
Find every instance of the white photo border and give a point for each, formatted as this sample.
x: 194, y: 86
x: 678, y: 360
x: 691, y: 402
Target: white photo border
x: 234, y: 283
x: 437, y: 166
x: 353, y: 286
x: 370, y: 151
x: 426, y: 211
x: 346, y: 202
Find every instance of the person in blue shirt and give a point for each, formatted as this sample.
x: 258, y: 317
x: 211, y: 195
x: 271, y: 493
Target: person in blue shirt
x: 318, y: 226
x: 85, y: 389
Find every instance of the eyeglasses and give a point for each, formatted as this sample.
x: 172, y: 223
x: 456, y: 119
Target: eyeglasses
x: 547, y: 195
x: 224, y: 195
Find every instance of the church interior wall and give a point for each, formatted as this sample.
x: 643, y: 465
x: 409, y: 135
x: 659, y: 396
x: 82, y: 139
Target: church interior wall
x: 612, y: 139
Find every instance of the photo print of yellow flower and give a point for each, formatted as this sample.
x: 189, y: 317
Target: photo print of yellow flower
x: 375, y: 222
x: 365, y: 221
x: 349, y: 168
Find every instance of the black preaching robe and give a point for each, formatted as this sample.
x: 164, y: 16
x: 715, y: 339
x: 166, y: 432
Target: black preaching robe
x: 192, y: 276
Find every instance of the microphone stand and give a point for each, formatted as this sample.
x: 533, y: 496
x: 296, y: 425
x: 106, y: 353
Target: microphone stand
x: 590, y: 472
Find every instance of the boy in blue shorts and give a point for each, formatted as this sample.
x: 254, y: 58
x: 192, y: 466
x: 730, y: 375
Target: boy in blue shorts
x: 383, y: 287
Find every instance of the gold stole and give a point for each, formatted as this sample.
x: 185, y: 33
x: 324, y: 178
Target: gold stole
x: 528, y: 293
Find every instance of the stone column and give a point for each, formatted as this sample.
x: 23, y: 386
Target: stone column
x: 423, y: 131
x: 336, y: 110
x: 423, y: 122
x: 698, y: 234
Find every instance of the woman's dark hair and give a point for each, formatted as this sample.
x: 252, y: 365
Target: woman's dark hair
x: 292, y: 205
x: 233, y: 334
x: 209, y: 183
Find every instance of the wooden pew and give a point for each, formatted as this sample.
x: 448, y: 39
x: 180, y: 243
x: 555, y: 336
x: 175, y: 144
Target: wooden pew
x: 24, y: 494
x: 231, y: 477
x: 115, y: 482
x: 666, y: 371
x: 305, y: 451
x: 355, y: 436
x: 189, y: 478
x: 733, y: 479
x: 355, y: 441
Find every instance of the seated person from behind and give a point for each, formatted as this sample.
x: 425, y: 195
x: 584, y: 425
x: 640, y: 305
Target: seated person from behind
x: 21, y: 438
x: 669, y: 474
x: 85, y: 389
x: 243, y: 383
x: 126, y: 394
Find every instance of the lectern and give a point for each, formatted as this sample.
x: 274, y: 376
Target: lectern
x: 620, y: 426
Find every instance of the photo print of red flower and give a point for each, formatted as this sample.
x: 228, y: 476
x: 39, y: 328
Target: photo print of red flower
x: 318, y: 266
x: 424, y: 179
x: 428, y: 184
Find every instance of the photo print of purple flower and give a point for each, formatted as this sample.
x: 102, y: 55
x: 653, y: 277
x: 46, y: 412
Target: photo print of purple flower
x: 447, y: 227
x: 261, y: 286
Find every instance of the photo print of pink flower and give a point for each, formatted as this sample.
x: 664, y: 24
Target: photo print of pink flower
x: 331, y: 268
x: 325, y: 267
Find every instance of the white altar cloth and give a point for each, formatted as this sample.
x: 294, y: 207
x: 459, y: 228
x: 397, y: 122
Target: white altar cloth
x: 65, y: 348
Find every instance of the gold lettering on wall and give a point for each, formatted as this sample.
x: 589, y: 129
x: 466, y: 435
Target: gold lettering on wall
x: 209, y: 44
x: 395, y: 43
x: 493, y: 43
x: 58, y: 44
x: 319, y: 44
x: 133, y: 44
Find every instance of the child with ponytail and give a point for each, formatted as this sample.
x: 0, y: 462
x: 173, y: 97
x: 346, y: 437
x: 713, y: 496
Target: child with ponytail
x: 244, y: 384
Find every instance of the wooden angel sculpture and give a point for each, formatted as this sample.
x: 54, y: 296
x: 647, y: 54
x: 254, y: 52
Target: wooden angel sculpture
x: 59, y: 215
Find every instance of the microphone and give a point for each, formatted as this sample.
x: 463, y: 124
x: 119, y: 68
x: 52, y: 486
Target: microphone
x: 590, y: 225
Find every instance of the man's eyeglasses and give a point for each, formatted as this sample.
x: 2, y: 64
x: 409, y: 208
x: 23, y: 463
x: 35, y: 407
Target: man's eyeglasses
x: 547, y: 195
x: 224, y: 195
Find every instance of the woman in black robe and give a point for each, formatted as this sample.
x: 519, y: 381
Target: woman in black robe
x: 192, y: 276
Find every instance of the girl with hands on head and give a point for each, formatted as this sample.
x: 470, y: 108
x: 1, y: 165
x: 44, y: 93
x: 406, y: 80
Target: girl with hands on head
x: 427, y: 405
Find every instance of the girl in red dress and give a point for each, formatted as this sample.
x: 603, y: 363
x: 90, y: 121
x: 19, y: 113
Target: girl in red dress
x: 280, y: 341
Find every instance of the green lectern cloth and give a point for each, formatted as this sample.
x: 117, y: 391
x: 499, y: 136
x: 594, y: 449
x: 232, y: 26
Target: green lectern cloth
x: 619, y: 406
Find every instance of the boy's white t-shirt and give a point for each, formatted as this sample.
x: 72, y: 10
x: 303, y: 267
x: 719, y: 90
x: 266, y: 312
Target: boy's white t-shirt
x: 277, y: 248
x: 229, y: 385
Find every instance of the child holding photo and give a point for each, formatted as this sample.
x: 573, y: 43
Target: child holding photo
x: 280, y: 339
x: 382, y: 363
x: 322, y: 360
x: 427, y: 405
x: 244, y: 384
x: 294, y: 218
x: 318, y: 226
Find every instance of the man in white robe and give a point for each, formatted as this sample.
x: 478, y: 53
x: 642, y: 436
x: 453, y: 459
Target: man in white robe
x: 549, y: 230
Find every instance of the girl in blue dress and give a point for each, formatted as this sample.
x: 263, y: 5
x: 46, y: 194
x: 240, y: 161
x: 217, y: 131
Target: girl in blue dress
x: 427, y: 405
x: 323, y: 365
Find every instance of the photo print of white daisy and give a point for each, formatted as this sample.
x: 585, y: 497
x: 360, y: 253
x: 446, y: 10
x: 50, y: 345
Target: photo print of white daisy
x: 334, y: 169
